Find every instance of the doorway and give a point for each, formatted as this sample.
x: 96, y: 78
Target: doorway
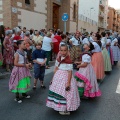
x: 56, y: 16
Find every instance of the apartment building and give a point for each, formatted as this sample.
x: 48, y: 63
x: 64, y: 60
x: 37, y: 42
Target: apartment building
x: 39, y: 14
x: 103, y: 14
x: 113, y: 20
x: 88, y: 15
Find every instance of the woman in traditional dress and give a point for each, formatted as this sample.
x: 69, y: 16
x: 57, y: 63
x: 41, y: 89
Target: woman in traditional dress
x: 86, y: 76
x: 63, y: 92
x: 97, y: 57
x: 107, y: 62
x: 108, y: 46
x: 76, y: 48
x: 116, y: 51
x: 20, y: 76
x: 8, y: 50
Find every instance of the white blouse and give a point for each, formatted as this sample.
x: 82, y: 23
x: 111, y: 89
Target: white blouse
x: 97, y: 47
x: 21, y: 58
x: 114, y: 41
x: 64, y: 66
x: 86, y: 58
x: 85, y: 41
x: 91, y: 39
x: 74, y: 41
x: 108, y: 41
x: 104, y: 41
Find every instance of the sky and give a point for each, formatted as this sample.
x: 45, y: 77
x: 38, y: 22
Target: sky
x: 114, y: 3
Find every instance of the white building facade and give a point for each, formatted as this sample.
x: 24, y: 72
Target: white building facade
x: 88, y: 15
x: 92, y: 15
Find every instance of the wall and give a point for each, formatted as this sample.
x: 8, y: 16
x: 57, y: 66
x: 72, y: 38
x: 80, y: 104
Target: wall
x: 6, y: 4
x: 30, y: 16
x: 85, y: 9
x: 89, y: 28
x: 41, y: 6
x: 32, y: 20
x: 1, y: 12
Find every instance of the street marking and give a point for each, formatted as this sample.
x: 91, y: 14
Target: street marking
x: 118, y: 87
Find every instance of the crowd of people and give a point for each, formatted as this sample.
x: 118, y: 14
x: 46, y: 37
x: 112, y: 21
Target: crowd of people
x: 91, y: 55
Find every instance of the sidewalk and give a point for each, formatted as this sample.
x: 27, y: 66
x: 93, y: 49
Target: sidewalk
x: 3, y: 72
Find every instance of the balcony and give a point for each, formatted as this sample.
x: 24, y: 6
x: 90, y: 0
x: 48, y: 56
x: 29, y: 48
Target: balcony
x: 101, y: 25
x: 102, y: 4
x: 101, y: 15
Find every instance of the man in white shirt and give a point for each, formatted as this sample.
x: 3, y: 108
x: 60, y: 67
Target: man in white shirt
x: 47, y: 47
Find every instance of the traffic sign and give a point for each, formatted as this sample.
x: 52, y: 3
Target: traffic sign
x: 65, y: 17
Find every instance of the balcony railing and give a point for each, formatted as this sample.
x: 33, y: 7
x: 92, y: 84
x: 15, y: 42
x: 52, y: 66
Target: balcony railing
x: 101, y: 15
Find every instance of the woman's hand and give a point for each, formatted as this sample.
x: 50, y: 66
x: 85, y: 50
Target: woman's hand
x: 78, y: 66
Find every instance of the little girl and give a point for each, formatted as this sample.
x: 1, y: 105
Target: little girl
x: 86, y: 77
x: 63, y: 92
x: 20, y: 76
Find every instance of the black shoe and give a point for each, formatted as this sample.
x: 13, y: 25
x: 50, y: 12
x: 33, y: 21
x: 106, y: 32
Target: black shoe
x: 34, y: 87
x: 42, y: 86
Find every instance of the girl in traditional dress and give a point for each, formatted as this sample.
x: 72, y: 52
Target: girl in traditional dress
x: 86, y: 76
x: 20, y: 76
x: 107, y: 62
x: 116, y: 51
x: 63, y: 92
x: 97, y: 58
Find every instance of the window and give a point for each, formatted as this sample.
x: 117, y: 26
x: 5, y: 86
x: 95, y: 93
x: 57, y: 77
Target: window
x: 27, y: 2
x: 74, y: 11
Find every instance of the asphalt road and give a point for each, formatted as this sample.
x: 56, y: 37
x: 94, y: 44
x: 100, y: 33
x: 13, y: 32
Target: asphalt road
x: 107, y: 107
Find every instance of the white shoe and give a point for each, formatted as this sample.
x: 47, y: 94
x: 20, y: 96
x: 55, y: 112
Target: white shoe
x: 64, y: 113
x: 18, y: 100
x: 28, y: 96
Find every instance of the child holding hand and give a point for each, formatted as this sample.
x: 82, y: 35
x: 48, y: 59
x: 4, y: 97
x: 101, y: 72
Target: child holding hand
x: 39, y: 58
